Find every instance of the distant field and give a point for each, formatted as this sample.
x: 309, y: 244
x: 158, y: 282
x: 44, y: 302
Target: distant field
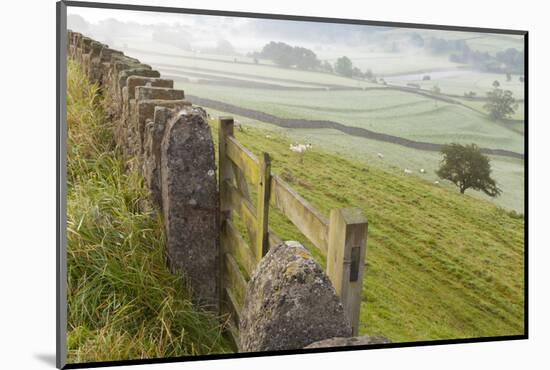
x: 493, y: 43
x: 145, y: 43
x: 462, y: 81
x: 397, y: 63
x: 392, y: 112
x: 483, y: 42
x: 519, y: 114
x: 509, y: 172
x: 252, y: 69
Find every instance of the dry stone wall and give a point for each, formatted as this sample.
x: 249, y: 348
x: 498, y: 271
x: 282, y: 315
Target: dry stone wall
x: 166, y: 139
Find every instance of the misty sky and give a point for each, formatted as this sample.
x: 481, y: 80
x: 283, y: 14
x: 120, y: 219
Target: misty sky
x: 116, y: 27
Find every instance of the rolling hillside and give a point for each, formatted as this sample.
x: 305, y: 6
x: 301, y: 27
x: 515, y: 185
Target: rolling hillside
x: 439, y: 265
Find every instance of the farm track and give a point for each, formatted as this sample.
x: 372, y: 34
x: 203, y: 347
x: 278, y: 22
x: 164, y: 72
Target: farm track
x: 315, y: 124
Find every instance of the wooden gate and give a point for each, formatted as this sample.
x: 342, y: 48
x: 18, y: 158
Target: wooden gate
x: 341, y: 238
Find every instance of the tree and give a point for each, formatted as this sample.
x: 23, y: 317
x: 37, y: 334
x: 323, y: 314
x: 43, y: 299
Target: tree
x: 304, y: 58
x: 344, y: 66
x: 496, y: 84
x: 285, y: 55
x: 278, y: 52
x: 500, y: 104
x: 466, y: 167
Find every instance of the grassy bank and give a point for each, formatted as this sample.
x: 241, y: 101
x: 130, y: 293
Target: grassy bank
x: 440, y: 265
x: 123, y: 303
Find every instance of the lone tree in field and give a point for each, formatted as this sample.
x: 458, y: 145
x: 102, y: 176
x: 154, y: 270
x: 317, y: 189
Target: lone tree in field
x: 466, y: 167
x: 500, y: 103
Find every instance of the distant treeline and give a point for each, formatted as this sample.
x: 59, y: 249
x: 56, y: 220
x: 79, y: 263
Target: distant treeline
x: 299, y: 57
x: 510, y: 60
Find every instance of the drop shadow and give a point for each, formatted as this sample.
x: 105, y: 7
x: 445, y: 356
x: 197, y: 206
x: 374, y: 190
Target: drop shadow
x: 47, y: 358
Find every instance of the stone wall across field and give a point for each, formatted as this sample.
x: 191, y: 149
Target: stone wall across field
x: 160, y: 134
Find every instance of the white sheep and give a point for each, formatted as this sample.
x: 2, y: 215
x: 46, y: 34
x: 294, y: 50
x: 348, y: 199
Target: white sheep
x: 380, y: 155
x: 300, y: 149
x: 436, y: 182
x: 407, y: 171
x: 422, y: 170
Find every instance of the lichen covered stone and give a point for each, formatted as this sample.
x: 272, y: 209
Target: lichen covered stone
x: 290, y: 303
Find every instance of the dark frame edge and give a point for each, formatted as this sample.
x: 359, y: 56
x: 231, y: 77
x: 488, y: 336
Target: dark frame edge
x: 61, y: 198
x: 526, y: 188
x: 291, y: 352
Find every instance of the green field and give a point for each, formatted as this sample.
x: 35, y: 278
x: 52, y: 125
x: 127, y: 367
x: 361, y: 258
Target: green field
x: 509, y: 171
x: 482, y: 42
x: 392, y: 112
x: 396, y: 113
x: 439, y: 265
x: 462, y: 81
x: 221, y: 65
x: 518, y: 116
x: 387, y: 64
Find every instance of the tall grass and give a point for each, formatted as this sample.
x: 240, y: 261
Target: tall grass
x: 123, y: 303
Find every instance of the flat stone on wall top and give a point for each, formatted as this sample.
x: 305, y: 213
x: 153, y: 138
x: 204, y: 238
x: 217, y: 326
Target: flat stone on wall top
x: 134, y: 81
x: 106, y: 53
x: 163, y: 93
x: 95, y: 48
x: 144, y: 72
x: 290, y: 303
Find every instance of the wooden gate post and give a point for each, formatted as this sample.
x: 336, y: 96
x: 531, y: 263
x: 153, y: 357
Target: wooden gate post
x: 347, y: 244
x: 264, y: 185
x: 225, y: 130
x: 225, y: 172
